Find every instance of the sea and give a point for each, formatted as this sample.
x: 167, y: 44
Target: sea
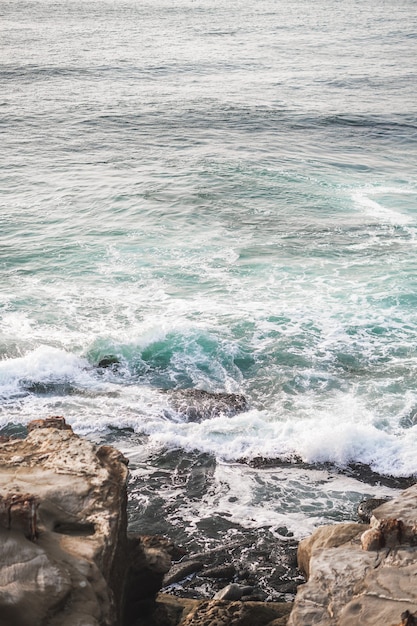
x: 218, y: 196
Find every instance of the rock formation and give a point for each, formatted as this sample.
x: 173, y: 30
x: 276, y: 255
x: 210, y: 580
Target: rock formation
x: 65, y: 556
x: 197, y: 405
x: 362, y: 574
x: 62, y: 529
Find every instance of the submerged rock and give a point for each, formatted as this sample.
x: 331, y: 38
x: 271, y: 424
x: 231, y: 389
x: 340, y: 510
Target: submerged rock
x: 108, y: 362
x: 197, y: 405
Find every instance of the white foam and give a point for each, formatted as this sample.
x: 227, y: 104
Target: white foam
x: 365, y: 200
x: 339, y: 426
x: 44, y: 364
x: 292, y: 497
x: 326, y: 438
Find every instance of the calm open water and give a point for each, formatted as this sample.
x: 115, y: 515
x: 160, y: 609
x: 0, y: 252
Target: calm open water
x: 223, y: 196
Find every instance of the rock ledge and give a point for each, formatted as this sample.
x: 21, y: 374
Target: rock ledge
x: 362, y: 574
x: 62, y: 529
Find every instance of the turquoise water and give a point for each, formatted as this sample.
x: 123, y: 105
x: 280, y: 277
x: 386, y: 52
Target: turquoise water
x: 223, y: 197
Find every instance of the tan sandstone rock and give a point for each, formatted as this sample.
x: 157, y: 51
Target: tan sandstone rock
x: 172, y: 611
x: 366, y: 579
x: 62, y: 524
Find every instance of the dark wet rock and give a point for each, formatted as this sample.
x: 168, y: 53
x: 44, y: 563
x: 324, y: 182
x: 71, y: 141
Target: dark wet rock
x: 284, y: 532
x: 367, y: 475
x: 260, y: 557
x: 108, y: 361
x: 268, y: 565
x: 225, y: 572
x: 366, y: 507
x: 408, y: 619
x: 49, y: 388
x: 179, y: 571
x: 233, y: 592
x: 358, y: 471
x: 197, y: 405
x: 288, y: 588
x: 148, y: 563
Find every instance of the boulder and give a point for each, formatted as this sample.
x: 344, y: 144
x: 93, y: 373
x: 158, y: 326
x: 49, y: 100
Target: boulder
x: 222, y: 613
x: 233, y: 592
x: 197, y: 405
x: 365, y: 578
x: 179, y: 571
x: 108, y: 361
x: 323, y: 538
x: 62, y: 529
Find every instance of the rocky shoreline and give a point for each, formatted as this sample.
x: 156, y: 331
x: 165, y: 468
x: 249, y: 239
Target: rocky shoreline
x: 68, y: 560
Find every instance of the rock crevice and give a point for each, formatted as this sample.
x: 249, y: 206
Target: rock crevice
x: 65, y: 555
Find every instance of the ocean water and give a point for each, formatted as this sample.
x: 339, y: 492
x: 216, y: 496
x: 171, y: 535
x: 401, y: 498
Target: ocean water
x: 223, y: 196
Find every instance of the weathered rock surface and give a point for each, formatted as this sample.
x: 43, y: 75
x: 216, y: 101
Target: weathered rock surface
x: 362, y: 577
x: 197, y: 405
x: 171, y: 611
x: 62, y: 529
x: 65, y: 556
x: 221, y: 613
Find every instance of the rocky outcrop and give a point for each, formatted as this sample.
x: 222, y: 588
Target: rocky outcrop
x: 362, y: 575
x: 172, y: 611
x: 66, y: 558
x: 197, y: 405
x: 221, y: 613
x: 62, y: 529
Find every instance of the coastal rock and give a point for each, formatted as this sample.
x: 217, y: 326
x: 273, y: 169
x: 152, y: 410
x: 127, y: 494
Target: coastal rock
x: 233, y: 592
x: 221, y: 613
x: 179, y: 571
x: 366, y: 507
x: 174, y: 611
x: 62, y: 529
x: 197, y: 405
x: 323, y: 538
x: 225, y: 572
x: 363, y: 578
x: 108, y: 361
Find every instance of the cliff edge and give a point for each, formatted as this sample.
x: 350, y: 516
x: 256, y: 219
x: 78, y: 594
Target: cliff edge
x: 62, y: 529
x: 362, y: 574
x: 65, y: 556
